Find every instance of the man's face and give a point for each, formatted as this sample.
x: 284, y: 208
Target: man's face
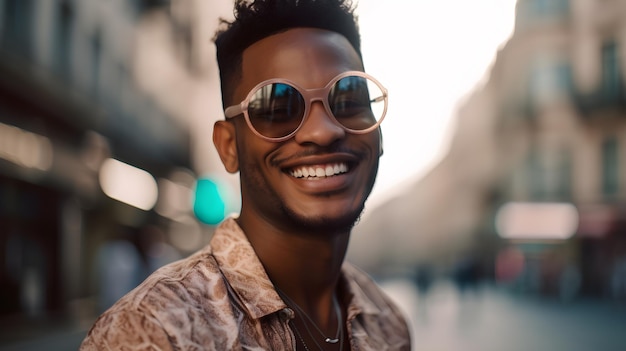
x: 271, y: 184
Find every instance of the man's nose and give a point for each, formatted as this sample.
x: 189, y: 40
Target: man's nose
x: 319, y: 128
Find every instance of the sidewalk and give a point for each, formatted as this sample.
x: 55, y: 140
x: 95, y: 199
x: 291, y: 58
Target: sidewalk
x: 54, y: 333
x: 491, y: 320
x: 57, y: 341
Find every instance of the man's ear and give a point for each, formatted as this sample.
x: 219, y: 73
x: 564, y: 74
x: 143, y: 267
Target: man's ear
x: 224, y: 139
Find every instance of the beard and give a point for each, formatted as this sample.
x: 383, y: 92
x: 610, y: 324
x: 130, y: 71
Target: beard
x: 256, y: 189
x: 267, y: 201
x: 323, y: 224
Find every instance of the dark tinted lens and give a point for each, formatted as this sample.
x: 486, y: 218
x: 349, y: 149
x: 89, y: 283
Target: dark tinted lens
x: 275, y: 110
x: 356, y: 102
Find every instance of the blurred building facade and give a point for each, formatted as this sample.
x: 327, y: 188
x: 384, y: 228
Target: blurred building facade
x: 548, y: 126
x: 558, y: 87
x: 69, y: 101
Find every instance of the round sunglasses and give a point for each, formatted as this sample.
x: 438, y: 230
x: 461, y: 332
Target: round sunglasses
x: 275, y: 109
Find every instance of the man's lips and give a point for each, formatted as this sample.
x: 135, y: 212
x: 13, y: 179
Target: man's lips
x: 319, y: 171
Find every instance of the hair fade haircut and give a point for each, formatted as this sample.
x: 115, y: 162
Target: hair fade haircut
x: 258, y: 19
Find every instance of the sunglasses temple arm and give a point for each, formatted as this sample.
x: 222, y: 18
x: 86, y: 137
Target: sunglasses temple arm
x: 378, y: 99
x: 233, y: 111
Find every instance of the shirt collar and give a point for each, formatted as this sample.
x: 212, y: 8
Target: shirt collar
x: 359, y: 300
x: 248, y: 280
x: 243, y: 271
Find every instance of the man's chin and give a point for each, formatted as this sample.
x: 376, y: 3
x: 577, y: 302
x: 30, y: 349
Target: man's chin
x: 325, y: 223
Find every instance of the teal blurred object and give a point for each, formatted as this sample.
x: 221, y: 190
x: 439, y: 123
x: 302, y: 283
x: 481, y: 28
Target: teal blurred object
x: 208, y: 203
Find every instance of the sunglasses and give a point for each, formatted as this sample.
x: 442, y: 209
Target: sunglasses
x: 275, y: 109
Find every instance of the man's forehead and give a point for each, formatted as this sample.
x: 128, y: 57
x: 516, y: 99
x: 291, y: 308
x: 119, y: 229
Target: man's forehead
x: 298, y: 49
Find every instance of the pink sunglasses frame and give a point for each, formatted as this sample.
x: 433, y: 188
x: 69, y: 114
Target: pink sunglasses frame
x: 309, y: 96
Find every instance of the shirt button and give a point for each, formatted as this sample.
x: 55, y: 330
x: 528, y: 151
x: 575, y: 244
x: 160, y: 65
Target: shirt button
x: 286, y: 314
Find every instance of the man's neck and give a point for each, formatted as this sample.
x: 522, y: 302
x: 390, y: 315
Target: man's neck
x: 302, y: 263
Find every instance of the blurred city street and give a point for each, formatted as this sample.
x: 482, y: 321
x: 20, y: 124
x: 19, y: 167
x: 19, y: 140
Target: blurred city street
x: 485, y: 319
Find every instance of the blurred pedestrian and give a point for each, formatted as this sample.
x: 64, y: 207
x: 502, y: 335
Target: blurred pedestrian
x: 618, y: 278
x: 424, y: 278
x: 120, y: 269
x: 302, y: 129
x: 467, y: 274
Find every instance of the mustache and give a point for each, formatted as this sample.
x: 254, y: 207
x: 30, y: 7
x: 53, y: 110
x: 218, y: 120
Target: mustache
x: 315, y: 150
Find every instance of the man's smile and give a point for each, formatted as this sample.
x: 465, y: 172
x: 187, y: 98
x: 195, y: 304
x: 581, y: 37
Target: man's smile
x: 319, y: 171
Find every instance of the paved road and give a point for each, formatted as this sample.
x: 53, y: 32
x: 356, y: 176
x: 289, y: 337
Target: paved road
x: 492, y: 320
x: 489, y: 320
x: 63, y: 340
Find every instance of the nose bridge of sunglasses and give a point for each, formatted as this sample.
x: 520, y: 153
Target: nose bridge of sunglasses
x: 319, y: 119
x: 316, y: 98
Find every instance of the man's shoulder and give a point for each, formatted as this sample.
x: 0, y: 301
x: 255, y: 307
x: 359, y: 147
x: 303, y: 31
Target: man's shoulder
x: 172, y: 283
x: 170, y: 297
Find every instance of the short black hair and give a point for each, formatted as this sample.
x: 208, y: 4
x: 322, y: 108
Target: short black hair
x: 258, y: 19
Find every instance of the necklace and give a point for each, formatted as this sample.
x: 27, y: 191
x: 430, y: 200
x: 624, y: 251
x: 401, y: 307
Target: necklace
x: 302, y: 339
x: 338, y: 334
x: 293, y: 326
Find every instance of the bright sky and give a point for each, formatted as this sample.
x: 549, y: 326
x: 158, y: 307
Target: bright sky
x: 429, y: 54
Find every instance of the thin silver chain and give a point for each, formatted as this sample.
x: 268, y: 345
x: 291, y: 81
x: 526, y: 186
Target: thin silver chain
x: 339, y: 335
x: 337, y: 312
x: 300, y: 337
x: 311, y: 335
x: 295, y: 329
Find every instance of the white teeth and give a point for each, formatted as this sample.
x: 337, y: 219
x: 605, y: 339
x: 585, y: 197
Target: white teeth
x: 329, y: 171
x: 320, y: 171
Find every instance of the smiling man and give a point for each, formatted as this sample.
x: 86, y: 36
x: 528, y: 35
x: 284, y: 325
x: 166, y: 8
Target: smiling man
x: 302, y: 128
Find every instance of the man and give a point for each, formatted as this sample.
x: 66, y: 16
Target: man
x: 302, y: 129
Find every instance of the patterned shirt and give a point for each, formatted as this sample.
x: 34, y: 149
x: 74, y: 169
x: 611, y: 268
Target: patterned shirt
x: 220, y: 298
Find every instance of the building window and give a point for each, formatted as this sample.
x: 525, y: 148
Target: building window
x: 550, y: 81
x: 611, y: 82
x: 530, y: 12
x: 17, y: 28
x: 63, y: 39
x: 549, y: 175
x: 548, y: 7
x: 534, y: 173
x: 610, y: 167
x: 563, y: 171
x: 96, y: 58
